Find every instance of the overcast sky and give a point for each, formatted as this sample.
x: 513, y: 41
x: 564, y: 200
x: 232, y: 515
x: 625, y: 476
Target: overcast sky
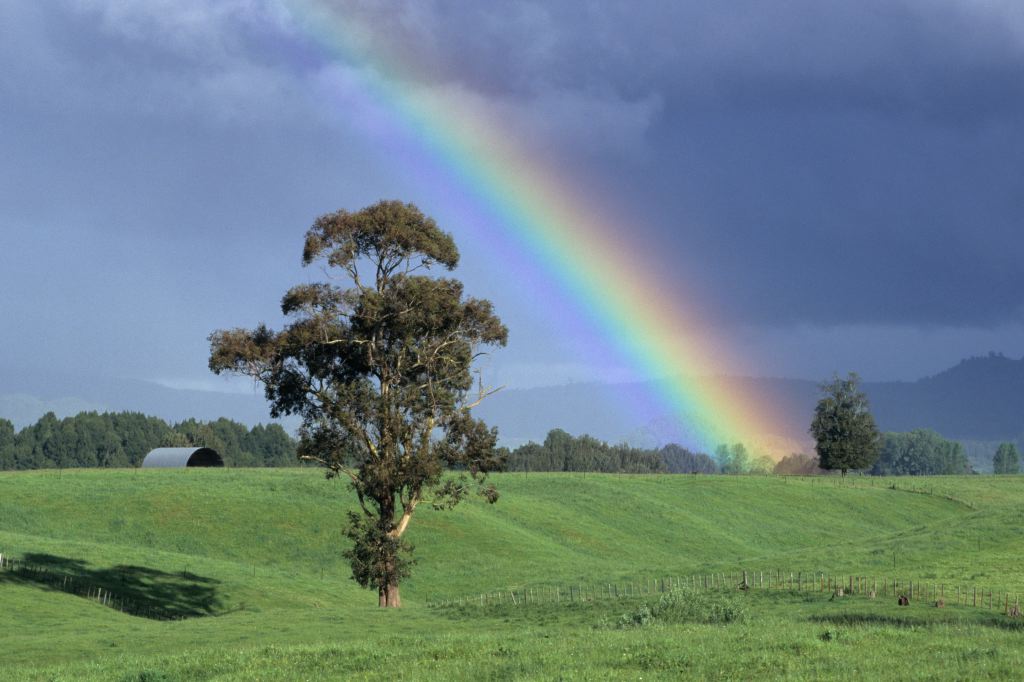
x: 840, y: 184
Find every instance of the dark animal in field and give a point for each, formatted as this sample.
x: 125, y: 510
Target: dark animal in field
x: 941, y: 603
x: 1013, y: 611
x: 903, y: 601
x: 871, y: 594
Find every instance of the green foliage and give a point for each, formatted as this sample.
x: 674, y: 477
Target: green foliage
x: 797, y: 464
x: 561, y: 451
x: 7, y: 440
x: 376, y: 557
x: 843, y: 429
x: 733, y: 459
x: 680, y: 460
x: 379, y: 372
x: 762, y: 464
x: 920, y: 453
x: 1006, y: 460
x: 123, y: 439
x: 685, y: 605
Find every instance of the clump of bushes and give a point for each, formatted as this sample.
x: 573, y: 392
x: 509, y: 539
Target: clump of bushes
x: 686, y: 605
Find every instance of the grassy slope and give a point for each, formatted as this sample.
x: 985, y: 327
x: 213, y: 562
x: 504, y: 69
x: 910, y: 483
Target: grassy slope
x: 283, y: 525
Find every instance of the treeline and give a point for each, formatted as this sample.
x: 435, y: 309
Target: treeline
x: 920, y: 453
x: 123, y: 439
x: 917, y: 453
x: 561, y: 451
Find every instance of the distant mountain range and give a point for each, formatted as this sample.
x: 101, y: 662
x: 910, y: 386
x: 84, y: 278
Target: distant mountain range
x: 979, y: 401
x: 27, y: 395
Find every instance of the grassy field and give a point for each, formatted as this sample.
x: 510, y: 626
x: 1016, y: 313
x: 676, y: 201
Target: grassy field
x: 249, y: 560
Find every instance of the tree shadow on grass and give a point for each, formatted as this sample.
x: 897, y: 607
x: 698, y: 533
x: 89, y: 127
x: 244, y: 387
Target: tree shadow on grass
x: 137, y: 590
x: 986, y: 620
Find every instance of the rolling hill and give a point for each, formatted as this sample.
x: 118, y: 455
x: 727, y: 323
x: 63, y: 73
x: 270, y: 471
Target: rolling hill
x: 248, y: 562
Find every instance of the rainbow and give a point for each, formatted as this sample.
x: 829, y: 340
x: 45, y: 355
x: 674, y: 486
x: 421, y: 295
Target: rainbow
x: 578, y: 247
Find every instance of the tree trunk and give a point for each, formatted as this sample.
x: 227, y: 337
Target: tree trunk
x: 389, y: 596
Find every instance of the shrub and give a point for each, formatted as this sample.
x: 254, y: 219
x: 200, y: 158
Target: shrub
x: 685, y: 605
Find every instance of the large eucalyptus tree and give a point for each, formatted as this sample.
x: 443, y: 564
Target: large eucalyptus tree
x: 380, y: 370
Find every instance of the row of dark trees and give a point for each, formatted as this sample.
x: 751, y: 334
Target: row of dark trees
x: 846, y: 438
x: 917, y: 453
x: 91, y: 439
x: 562, y: 451
x: 920, y: 453
x: 123, y: 439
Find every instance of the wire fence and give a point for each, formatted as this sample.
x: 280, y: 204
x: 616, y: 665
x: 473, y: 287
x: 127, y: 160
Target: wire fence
x: 906, y: 590
x: 62, y: 582
x: 929, y: 591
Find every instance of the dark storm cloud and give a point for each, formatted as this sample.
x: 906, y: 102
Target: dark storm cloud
x: 880, y: 55
x: 800, y: 167
x: 810, y: 162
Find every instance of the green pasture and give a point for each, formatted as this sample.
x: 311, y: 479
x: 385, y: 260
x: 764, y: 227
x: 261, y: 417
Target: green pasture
x: 248, y: 563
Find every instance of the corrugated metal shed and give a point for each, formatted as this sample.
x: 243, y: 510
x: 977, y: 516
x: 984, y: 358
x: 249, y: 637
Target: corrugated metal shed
x: 182, y: 457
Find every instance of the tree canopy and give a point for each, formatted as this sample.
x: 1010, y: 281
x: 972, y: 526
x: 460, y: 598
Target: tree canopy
x: 380, y: 372
x: 843, y: 429
x: 123, y: 439
x: 680, y: 460
x: 920, y: 453
x: 1006, y: 460
x: 561, y: 451
x: 797, y: 464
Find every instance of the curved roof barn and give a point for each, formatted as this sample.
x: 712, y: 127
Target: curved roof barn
x: 182, y: 457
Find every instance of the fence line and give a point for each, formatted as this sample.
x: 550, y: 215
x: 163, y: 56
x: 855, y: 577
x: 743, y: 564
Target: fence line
x: 773, y: 580
x: 63, y: 582
x: 744, y: 580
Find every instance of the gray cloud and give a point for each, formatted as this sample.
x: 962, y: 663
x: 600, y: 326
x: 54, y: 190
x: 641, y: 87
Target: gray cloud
x: 791, y: 166
x: 823, y: 163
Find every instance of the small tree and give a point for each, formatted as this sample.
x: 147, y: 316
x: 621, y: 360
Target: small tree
x: 843, y: 429
x: 381, y: 375
x: 1006, y: 460
x: 732, y: 459
x: 797, y: 464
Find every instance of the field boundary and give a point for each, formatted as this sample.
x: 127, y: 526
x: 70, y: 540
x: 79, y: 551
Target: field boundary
x: 59, y: 581
x: 939, y: 594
